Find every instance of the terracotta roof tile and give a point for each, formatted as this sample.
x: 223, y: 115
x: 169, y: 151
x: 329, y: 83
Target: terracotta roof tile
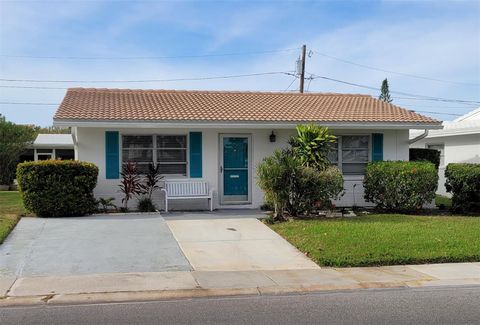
x: 171, y: 105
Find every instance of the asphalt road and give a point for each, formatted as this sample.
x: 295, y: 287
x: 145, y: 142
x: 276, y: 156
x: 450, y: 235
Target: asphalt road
x: 453, y: 305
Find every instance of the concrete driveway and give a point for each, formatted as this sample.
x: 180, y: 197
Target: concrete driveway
x: 243, y: 244
x: 146, y: 243
x: 85, y: 245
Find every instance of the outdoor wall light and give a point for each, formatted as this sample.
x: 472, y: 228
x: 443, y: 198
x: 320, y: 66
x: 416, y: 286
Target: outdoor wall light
x: 273, y: 137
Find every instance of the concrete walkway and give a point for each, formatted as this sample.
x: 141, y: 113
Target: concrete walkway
x: 167, y: 285
x: 236, y: 245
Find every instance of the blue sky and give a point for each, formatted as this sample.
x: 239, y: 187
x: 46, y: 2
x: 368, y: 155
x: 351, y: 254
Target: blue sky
x: 436, y: 39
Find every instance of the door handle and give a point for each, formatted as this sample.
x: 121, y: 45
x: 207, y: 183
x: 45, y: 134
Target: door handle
x: 221, y: 169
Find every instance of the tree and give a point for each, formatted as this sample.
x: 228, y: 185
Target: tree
x: 385, y: 92
x: 14, y: 140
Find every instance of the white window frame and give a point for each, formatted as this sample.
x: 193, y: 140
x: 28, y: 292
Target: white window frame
x: 154, y: 153
x: 339, y: 163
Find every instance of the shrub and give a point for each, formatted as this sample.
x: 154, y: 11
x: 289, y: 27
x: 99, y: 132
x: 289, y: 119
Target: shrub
x: 105, y: 204
x: 152, y: 178
x: 294, y: 187
x: 274, y: 176
x: 145, y: 204
x: 130, y: 185
x: 431, y: 155
x: 58, y: 188
x: 463, y: 181
x: 400, y: 185
x: 312, y: 187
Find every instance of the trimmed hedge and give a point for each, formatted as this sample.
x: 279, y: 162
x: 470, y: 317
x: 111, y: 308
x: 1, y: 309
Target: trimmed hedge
x: 400, y: 185
x: 463, y: 181
x: 58, y: 188
x: 421, y: 154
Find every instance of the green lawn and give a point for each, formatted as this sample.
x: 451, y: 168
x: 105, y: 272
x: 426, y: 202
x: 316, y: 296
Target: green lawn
x: 11, y: 208
x: 385, y: 239
x: 446, y: 201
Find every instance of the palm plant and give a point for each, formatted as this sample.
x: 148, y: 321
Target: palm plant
x: 312, y: 144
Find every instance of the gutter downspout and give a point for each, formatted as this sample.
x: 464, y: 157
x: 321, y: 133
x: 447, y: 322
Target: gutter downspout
x: 420, y: 137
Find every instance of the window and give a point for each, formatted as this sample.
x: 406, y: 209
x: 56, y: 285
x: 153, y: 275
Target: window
x: 172, y: 154
x: 441, y: 148
x: 350, y: 154
x: 168, y: 151
x: 65, y: 154
x: 354, y: 154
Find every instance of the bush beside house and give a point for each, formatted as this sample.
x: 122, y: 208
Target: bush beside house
x: 57, y: 188
x: 400, y: 185
x: 299, y: 179
x: 463, y: 181
x: 422, y: 154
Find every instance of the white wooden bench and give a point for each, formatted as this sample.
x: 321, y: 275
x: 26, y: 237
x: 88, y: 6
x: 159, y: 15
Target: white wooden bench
x: 187, y: 189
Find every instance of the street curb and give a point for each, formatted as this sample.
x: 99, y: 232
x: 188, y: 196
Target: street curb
x: 125, y: 296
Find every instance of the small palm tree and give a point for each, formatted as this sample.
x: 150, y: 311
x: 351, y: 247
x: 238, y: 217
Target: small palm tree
x: 312, y: 144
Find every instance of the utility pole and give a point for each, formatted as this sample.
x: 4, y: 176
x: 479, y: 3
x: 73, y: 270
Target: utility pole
x: 302, y: 70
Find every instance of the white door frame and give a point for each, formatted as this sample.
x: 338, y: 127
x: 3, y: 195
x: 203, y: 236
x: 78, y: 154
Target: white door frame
x: 221, y: 136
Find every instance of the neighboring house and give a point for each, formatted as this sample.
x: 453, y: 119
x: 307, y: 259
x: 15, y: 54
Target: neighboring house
x: 50, y: 146
x: 220, y: 137
x: 458, y: 142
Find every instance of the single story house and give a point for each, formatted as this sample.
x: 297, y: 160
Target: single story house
x: 458, y: 142
x: 220, y: 137
x: 50, y: 146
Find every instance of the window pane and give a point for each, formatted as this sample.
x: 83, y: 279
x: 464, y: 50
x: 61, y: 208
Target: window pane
x: 168, y: 155
x: 354, y: 156
x: 65, y: 154
x: 355, y: 141
x: 44, y: 150
x: 333, y: 154
x: 137, y: 141
x: 171, y: 141
x: 136, y: 155
x: 176, y: 169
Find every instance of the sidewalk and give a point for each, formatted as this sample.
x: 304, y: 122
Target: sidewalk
x: 117, y: 287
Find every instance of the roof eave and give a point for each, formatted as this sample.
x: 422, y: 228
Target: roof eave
x: 242, y: 124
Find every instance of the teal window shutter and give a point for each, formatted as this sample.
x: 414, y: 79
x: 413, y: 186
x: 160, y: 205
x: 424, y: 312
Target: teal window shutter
x: 112, y: 155
x: 377, y: 147
x: 196, y: 154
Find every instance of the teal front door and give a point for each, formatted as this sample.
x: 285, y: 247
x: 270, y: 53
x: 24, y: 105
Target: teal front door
x: 234, y: 168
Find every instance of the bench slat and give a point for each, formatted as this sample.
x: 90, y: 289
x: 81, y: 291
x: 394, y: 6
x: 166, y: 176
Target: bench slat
x: 186, y: 188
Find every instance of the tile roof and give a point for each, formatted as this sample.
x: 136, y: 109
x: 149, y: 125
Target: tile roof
x: 91, y: 104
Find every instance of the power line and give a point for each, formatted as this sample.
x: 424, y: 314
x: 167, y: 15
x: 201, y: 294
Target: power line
x: 294, y: 79
x: 19, y: 103
x: 437, y: 113
x: 33, y: 87
x: 474, y: 103
x: 147, y: 80
x: 394, y: 72
x: 397, y: 92
x: 146, y: 57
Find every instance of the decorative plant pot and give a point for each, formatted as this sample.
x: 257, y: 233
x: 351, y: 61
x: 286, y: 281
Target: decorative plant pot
x: 4, y: 187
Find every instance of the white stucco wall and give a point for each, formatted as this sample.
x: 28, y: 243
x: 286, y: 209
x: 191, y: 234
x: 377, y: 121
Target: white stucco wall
x: 458, y: 149
x: 91, y: 147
